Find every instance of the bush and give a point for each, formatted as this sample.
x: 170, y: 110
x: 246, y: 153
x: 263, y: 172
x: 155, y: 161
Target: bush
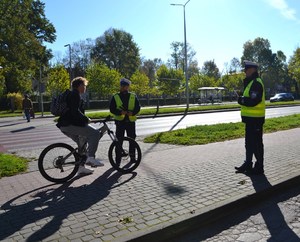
x: 15, y: 100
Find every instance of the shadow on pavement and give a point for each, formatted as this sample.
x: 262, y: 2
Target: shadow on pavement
x: 21, y: 130
x: 273, y: 216
x: 55, y: 203
x: 12, y: 124
x: 268, y: 208
x: 170, y: 188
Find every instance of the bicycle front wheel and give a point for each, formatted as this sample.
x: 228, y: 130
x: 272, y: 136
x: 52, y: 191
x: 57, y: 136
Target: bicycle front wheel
x: 58, y: 163
x: 125, y: 156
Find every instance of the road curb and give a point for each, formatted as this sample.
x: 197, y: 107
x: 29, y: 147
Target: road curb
x: 213, y: 213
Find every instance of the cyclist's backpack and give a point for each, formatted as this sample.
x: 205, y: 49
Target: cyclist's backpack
x: 59, y: 104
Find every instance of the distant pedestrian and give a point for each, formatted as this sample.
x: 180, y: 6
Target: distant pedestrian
x: 253, y: 115
x: 125, y: 106
x: 27, y: 107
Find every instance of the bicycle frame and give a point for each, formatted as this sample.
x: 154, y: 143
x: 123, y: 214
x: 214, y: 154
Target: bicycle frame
x: 102, y: 130
x: 105, y: 129
x: 77, y: 161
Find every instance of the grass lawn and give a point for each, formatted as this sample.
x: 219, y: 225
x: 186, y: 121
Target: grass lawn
x: 204, y: 134
x: 11, y: 165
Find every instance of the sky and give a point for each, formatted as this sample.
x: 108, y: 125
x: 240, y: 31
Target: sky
x: 215, y: 29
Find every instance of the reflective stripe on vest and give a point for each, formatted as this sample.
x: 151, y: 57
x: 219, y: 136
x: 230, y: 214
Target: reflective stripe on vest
x: 119, y: 105
x: 257, y: 111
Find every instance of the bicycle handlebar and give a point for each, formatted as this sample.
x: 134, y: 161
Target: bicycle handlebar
x: 108, y: 118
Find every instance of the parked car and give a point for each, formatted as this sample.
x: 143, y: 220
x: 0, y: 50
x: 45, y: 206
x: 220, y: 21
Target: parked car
x: 279, y: 97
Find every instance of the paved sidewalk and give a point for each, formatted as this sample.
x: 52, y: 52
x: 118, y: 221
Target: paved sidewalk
x: 175, y: 188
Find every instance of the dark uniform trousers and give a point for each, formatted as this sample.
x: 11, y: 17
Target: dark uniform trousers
x: 129, y: 127
x: 254, y: 143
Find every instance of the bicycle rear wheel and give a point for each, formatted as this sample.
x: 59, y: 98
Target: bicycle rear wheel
x: 57, y: 163
x: 125, y: 156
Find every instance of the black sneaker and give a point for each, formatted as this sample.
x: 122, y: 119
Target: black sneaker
x: 245, y: 167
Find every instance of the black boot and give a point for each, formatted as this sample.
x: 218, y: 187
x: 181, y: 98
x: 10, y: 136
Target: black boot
x: 247, y: 166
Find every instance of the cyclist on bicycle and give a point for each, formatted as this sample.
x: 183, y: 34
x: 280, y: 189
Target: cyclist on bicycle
x: 75, y: 124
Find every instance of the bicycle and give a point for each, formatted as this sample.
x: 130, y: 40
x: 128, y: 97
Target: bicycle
x: 60, y: 162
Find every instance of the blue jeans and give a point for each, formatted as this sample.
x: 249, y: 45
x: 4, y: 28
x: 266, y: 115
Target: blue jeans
x: 27, y: 114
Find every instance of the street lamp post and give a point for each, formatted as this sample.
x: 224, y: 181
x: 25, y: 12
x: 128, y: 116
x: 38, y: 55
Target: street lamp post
x: 70, y: 61
x: 185, y: 54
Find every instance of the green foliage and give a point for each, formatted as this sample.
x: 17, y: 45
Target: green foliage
x: 23, y: 29
x: 210, y: 69
x: 58, y: 80
x: 102, y: 80
x: 294, y: 66
x: 259, y: 51
x: 201, y: 80
x: 177, y: 60
x: 11, y: 165
x: 233, y: 82
x: 139, y: 83
x: 149, y: 68
x: 118, y: 51
x: 2, y: 84
x: 169, y: 80
x: 273, y: 66
x: 15, y: 100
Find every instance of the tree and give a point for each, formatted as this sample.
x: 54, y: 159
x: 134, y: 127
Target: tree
x: 24, y: 28
x: 57, y: 80
x: 177, y: 59
x: 177, y: 56
x: 80, y: 56
x: 234, y: 66
x: 258, y: 51
x: 210, y: 69
x: 201, y: 80
x: 233, y: 82
x: 149, y: 68
x: 2, y: 84
x: 169, y: 80
x: 102, y: 80
x: 117, y: 50
x: 271, y: 65
x: 139, y: 83
x: 276, y: 73
x: 294, y: 68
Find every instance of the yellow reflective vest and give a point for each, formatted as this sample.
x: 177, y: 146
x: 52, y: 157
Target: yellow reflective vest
x: 257, y: 111
x: 119, y: 104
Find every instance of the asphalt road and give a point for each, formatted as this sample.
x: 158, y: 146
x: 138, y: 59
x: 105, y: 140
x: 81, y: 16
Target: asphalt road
x: 17, y: 134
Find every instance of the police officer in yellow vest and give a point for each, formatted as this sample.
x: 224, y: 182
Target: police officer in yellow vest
x: 125, y: 106
x: 253, y: 115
